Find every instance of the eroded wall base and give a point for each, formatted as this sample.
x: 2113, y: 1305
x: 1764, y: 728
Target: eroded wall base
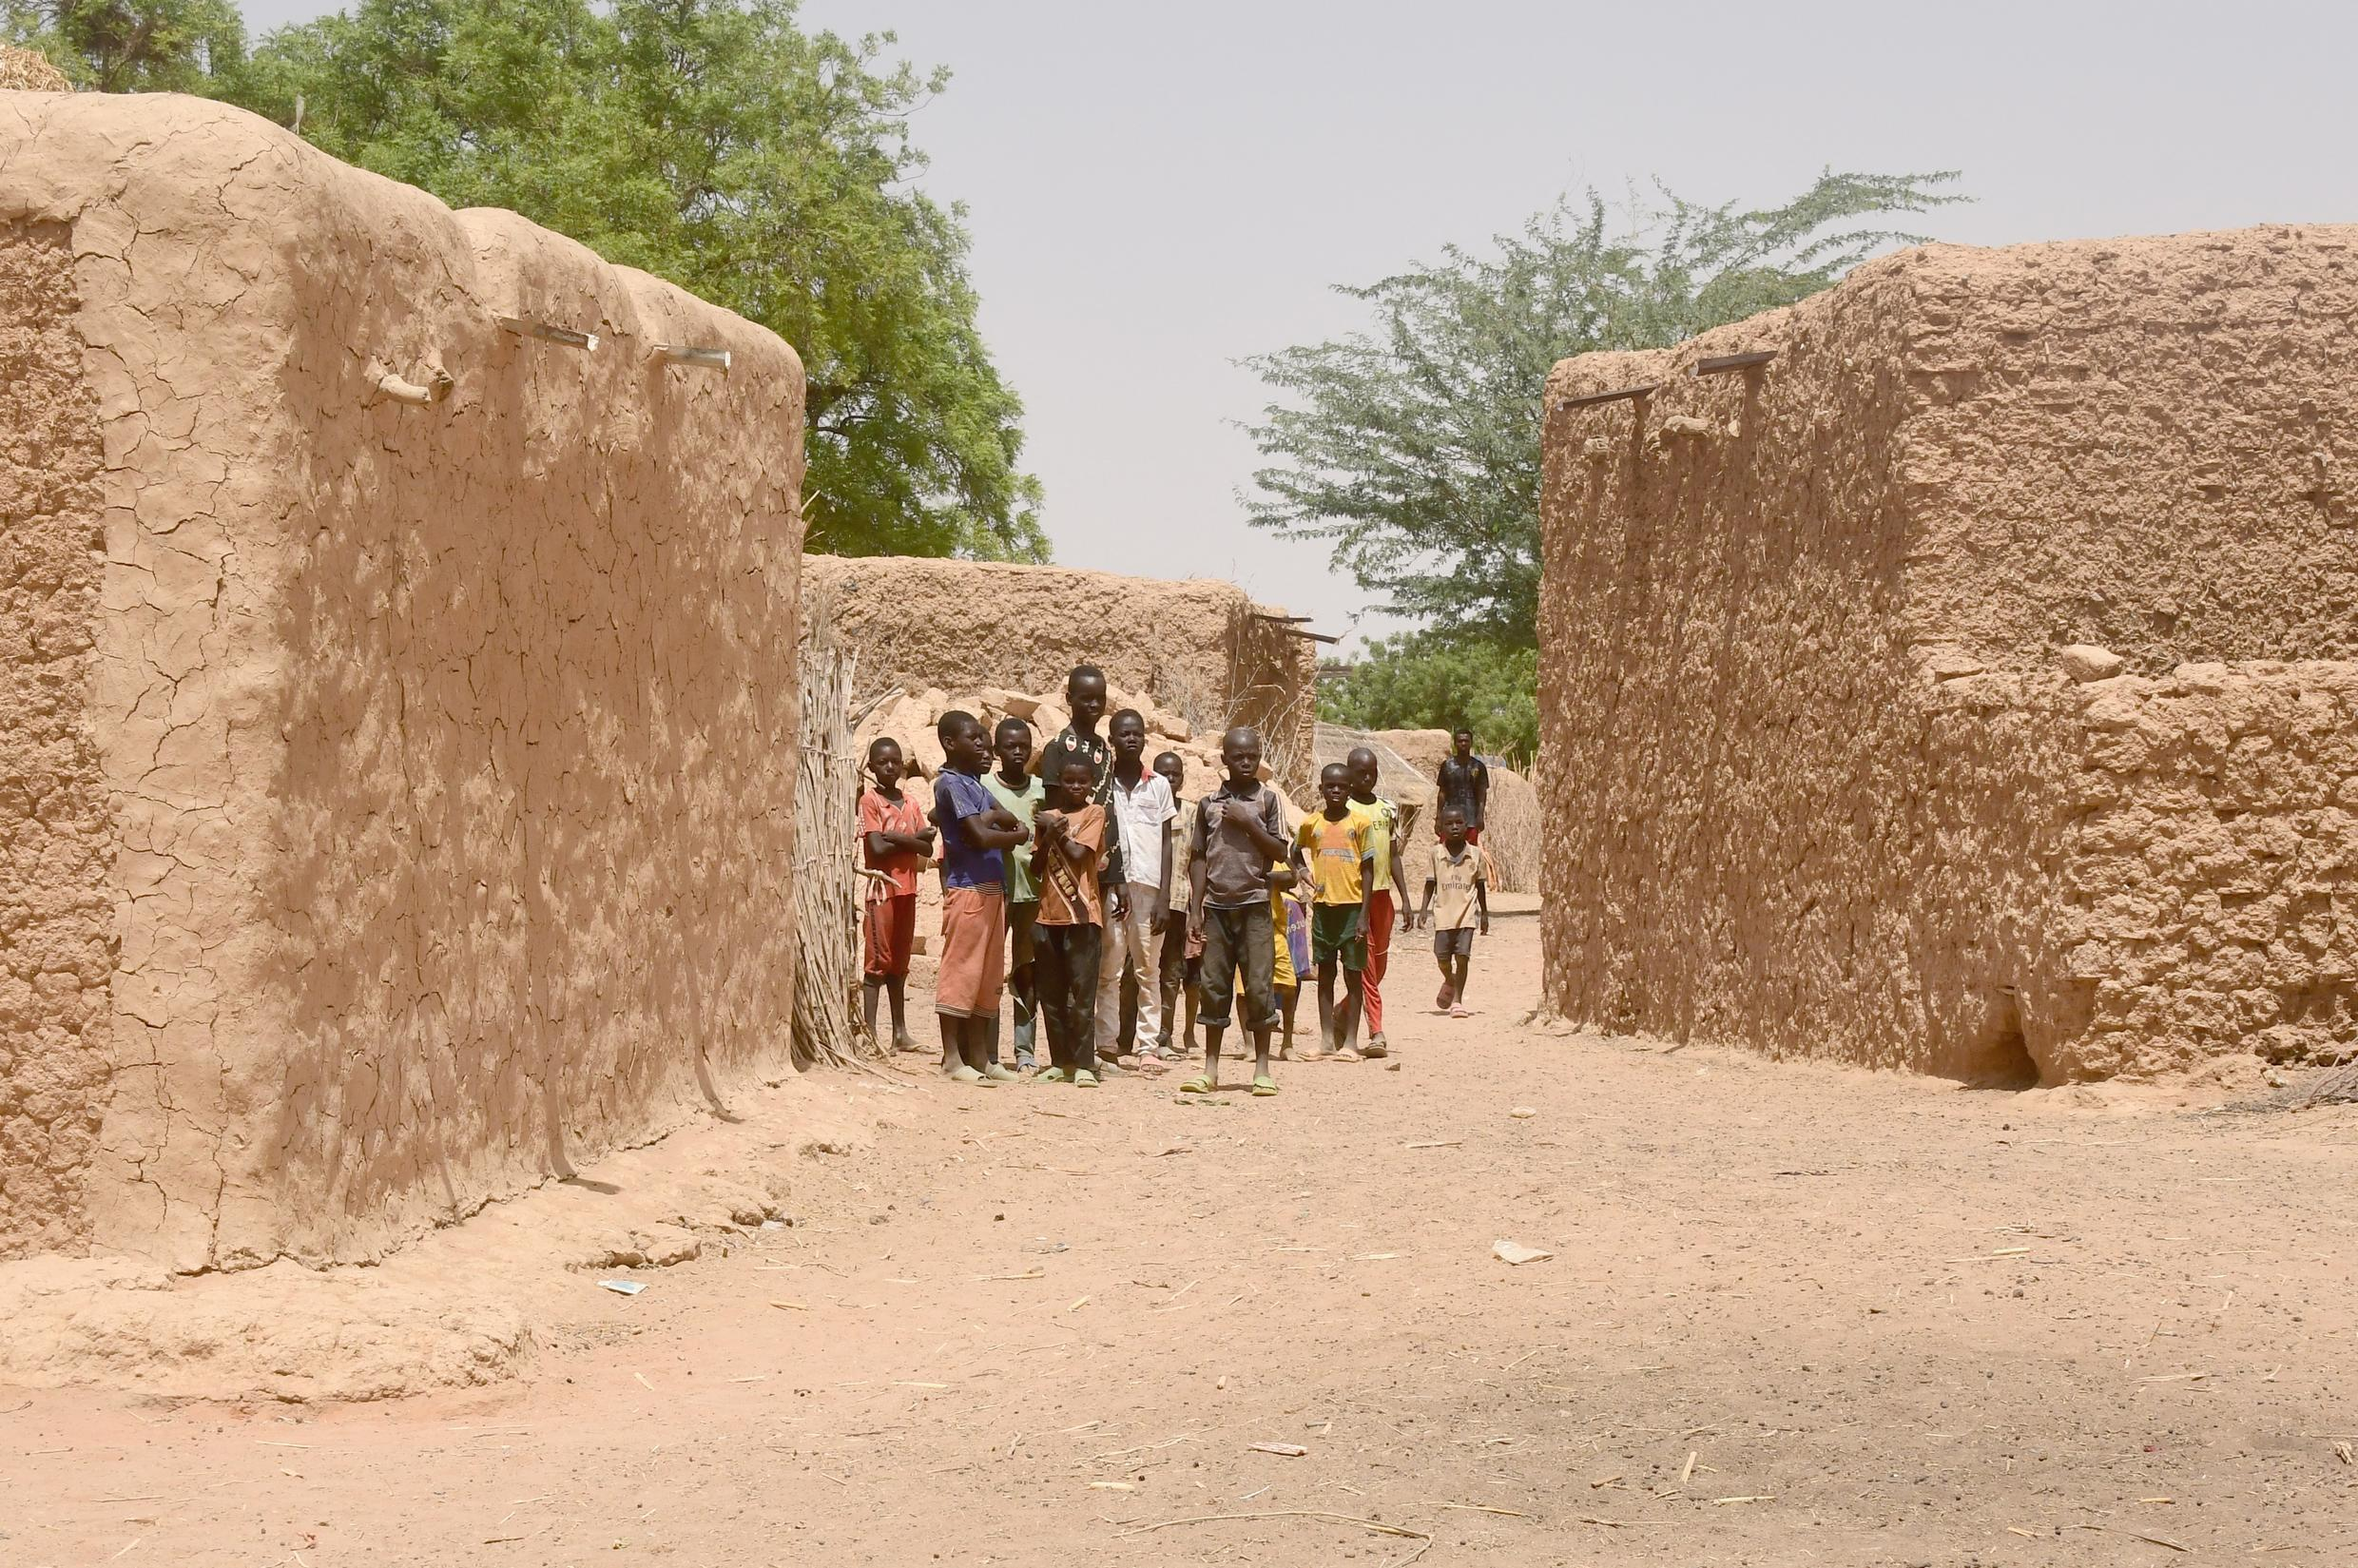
x: 56, y: 911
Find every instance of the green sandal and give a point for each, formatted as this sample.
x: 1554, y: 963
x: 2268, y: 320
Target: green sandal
x: 1084, y: 1078
x: 1054, y: 1075
x: 1265, y: 1086
x: 1197, y: 1085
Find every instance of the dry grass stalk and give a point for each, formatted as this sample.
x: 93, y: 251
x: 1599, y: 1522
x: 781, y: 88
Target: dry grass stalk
x: 826, y: 873
x: 1377, y: 1526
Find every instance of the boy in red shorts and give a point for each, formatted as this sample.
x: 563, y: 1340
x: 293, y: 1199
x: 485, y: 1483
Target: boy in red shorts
x: 896, y: 843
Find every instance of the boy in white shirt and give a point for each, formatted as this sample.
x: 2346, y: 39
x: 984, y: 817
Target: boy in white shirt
x: 1139, y: 801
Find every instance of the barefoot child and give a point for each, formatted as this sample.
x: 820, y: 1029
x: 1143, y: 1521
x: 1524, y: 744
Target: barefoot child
x: 1070, y: 861
x: 1332, y: 851
x: 1181, y: 946
x: 1387, y: 826
x: 895, y: 843
x: 1461, y: 873
x: 1013, y: 786
x: 975, y: 832
x: 1240, y: 831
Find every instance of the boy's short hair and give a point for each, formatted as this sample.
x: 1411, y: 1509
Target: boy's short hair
x: 1011, y: 721
x: 1125, y: 715
x: 1083, y: 672
x: 1335, y: 770
x: 1073, y: 760
x: 880, y: 743
x: 954, y: 723
x: 1451, y: 813
x: 1169, y: 756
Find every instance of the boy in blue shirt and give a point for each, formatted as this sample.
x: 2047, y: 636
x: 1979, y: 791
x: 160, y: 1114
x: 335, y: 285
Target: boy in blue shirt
x: 975, y: 830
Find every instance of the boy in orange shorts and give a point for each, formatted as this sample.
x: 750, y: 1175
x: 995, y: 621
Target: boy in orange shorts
x: 974, y: 830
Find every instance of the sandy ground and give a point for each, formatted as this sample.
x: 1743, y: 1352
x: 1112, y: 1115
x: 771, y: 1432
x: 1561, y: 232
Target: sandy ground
x: 1795, y: 1314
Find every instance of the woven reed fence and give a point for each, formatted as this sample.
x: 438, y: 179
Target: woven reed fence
x: 826, y: 866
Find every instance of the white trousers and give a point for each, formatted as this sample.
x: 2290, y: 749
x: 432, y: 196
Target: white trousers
x: 1130, y: 939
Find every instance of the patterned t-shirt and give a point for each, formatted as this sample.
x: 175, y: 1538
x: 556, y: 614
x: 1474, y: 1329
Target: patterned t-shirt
x: 1070, y: 895
x: 1069, y: 743
x: 1335, y: 850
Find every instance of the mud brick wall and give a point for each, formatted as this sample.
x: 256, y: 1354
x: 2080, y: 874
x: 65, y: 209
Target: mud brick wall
x: 1810, y: 742
x: 56, y: 907
x: 442, y: 756
x: 1196, y: 647
x: 2211, y: 865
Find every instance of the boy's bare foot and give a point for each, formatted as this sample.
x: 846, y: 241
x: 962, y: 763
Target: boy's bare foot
x: 904, y: 1042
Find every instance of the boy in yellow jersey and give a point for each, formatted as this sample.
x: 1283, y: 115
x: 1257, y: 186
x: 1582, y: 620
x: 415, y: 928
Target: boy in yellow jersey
x: 1332, y: 850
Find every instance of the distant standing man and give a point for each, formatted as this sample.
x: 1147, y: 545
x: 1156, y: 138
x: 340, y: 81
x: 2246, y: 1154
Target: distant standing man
x: 1464, y: 783
x: 1138, y: 799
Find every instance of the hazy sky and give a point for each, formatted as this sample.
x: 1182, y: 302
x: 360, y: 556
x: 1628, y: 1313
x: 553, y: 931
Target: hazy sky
x: 1156, y: 192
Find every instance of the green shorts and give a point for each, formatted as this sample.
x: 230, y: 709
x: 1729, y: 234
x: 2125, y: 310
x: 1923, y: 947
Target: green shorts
x: 1339, y: 930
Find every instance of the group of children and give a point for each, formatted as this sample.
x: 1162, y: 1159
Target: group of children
x: 1059, y: 876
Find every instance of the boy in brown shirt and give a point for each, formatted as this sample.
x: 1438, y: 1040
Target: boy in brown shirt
x: 1070, y: 861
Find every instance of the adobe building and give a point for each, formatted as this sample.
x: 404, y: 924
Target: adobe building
x: 1952, y: 672
x: 398, y: 696
x: 1199, y: 649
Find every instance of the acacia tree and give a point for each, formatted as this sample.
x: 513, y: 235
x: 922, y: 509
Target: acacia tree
x: 131, y: 46
x: 1414, y: 445
x: 713, y: 143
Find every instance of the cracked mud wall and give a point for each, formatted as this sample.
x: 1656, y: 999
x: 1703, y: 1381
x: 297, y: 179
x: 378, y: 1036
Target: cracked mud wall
x: 56, y: 911
x: 1193, y: 645
x: 2212, y: 865
x: 1821, y: 786
x: 448, y: 750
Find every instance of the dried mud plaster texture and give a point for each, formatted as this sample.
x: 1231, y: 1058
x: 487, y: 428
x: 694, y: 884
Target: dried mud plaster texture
x: 1200, y: 648
x: 1965, y: 689
x: 398, y: 799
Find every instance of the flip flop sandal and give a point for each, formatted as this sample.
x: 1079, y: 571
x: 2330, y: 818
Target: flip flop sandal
x: 1264, y: 1086
x: 1347, y: 1056
x: 1197, y: 1085
x: 1054, y: 1075
x: 1084, y: 1080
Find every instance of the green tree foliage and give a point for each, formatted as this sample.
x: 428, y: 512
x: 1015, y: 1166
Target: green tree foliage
x: 1414, y: 445
x: 716, y: 144
x: 131, y: 46
x: 1430, y: 680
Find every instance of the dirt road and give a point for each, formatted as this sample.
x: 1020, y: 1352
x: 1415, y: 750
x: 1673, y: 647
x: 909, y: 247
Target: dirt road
x: 1794, y: 1315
